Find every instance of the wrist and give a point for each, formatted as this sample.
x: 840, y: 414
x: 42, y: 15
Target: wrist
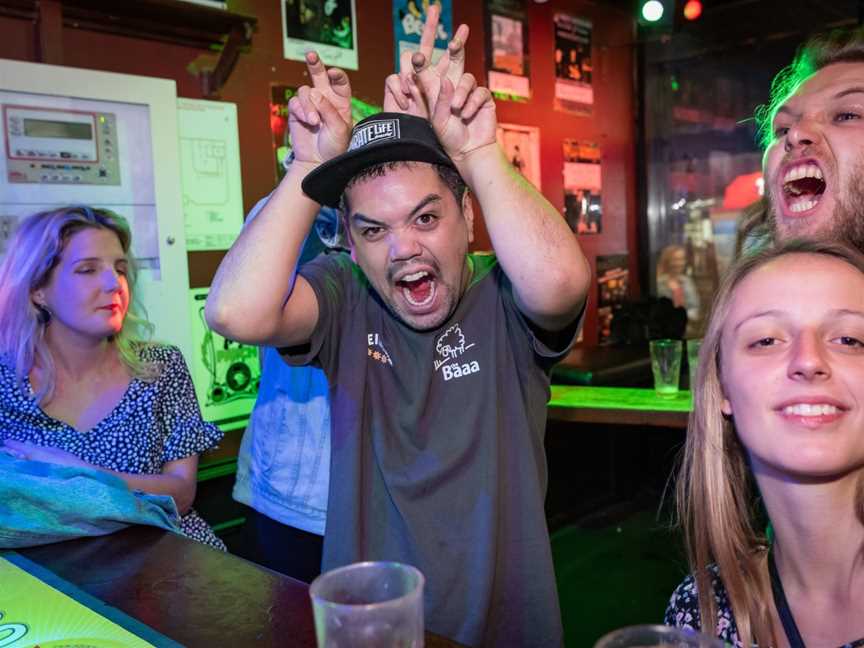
x: 479, y: 161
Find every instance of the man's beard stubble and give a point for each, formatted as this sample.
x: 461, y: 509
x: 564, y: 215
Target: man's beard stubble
x: 846, y: 224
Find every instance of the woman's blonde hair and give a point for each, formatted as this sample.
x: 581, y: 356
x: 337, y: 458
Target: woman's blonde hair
x: 719, y: 505
x: 665, y: 258
x: 32, y: 254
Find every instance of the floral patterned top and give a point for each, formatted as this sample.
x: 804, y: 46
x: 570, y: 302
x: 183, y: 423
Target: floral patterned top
x: 154, y: 423
x: 683, y: 611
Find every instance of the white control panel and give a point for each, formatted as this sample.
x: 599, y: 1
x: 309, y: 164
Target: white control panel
x: 45, y: 145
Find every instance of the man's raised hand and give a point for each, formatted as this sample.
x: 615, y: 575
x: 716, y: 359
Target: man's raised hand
x: 319, y: 117
x: 464, y: 117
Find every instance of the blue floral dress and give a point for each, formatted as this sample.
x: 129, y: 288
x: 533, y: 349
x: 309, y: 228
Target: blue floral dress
x: 683, y: 611
x: 154, y: 423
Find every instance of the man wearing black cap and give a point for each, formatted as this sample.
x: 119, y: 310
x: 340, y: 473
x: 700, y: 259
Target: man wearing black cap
x: 438, y: 360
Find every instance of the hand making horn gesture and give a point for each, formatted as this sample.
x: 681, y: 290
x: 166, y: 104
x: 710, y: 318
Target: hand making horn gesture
x: 319, y: 117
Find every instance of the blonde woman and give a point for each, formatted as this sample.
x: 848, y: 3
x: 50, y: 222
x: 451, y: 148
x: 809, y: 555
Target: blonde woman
x: 78, y: 384
x: 770, y: 490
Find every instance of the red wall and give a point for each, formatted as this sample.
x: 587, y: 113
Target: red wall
x: 612, y: 125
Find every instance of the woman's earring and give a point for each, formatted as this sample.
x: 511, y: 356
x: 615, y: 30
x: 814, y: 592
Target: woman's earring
x: 43, y: 315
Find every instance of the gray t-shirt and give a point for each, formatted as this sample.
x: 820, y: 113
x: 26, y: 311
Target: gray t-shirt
x: 437, y: 451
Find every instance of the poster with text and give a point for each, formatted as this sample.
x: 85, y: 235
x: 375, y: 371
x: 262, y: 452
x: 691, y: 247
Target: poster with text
x: 408, y: 19
x: 573, y: 90
x: 583, y: 206
x: 612, y: 291
x: 507, y: 49
x: 226, y: 373
x: 327, y: 26
x: 210, y: 170
x: 521, y: 145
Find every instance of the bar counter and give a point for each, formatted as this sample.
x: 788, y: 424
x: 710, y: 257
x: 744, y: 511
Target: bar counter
x: 190, y: 593
x: 618, y: 405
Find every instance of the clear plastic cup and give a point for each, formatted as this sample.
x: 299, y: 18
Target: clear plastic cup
x: 369, y: 605
x: 666, y: 366
x: 657, y: 636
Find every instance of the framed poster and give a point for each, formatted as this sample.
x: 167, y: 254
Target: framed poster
x: 521, y: 144
x: 409, y: 16
x: 583, y: 205
x: 327, y: 26
x: 573, y: 90
x: 507, y: 49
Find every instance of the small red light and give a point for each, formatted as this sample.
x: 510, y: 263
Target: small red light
x: 692, y: 9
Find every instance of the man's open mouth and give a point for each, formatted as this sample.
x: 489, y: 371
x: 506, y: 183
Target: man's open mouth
x: 803, y: 186
x: 418, y: 288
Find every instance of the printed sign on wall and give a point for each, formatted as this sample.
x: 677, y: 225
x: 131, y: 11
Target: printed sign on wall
x: 327, y: 26
x: 226, y: 373
x: 521, y: 144
x: 408, y: 19
x: 507, y: 49
x: 612, y: 289
x: 583, y: 205
x: 573, y: 90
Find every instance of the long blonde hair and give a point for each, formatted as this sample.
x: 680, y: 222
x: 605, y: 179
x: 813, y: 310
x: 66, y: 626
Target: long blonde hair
x: 719, y: 506
x: 32, y: 254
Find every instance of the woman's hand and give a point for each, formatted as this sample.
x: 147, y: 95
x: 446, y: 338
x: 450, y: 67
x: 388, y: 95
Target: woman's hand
x: 33, y: 452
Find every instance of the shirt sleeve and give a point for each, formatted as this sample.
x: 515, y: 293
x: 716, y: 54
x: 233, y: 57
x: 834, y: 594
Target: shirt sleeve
x: 335, y: 281
x: 549, y: 348
x: 187, y: 433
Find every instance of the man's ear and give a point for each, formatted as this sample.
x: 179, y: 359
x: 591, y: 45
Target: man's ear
x: 468, y: 213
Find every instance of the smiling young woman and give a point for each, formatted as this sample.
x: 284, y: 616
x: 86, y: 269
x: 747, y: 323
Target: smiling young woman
x: 770, y: 490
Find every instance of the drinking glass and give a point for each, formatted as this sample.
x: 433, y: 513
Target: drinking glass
x: 693, y: 347
x: 666, y: 366
x: 657, y: 636
x: 369, y: 605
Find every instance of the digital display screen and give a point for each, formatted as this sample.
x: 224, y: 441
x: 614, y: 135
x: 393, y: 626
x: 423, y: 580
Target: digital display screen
x: 64, y: 130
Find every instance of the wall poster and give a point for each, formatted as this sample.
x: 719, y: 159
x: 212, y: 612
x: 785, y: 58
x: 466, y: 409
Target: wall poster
x: 612, y: 289
x: 583, y: 206
x: 573, y: 90
x: 507, y: 49
x: 210, y: 168
x: 521, y: 144
x: 327, y: 26
x: 409, y: 16
x: 225, y: 373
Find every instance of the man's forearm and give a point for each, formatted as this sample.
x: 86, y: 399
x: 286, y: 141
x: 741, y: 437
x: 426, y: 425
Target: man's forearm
x: 256, y: 276
x: 536, y: 249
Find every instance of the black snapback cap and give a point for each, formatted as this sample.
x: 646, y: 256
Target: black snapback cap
x: 384, y: 137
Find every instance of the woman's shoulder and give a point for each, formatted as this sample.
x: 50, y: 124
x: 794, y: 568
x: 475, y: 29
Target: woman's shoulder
x: 165, y: 354
x: 683, y: 609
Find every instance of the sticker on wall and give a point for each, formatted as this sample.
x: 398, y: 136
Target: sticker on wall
x: 507, y: 49
x: 521, y: 144
x: 280, y: 95
x: 409, y: 17
x: 612, y: 291
x: 327, y: 26
x: 573, y: 90
x: 226, y: 373
x: 583, y: 207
